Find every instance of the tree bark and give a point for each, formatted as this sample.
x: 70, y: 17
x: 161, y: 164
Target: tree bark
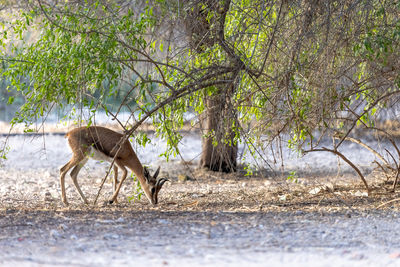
x: 219, y: 149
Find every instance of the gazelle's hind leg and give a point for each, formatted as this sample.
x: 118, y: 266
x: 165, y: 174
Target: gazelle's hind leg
x: 74, y: 175
x: 115, y: 181
x: 76, y: 159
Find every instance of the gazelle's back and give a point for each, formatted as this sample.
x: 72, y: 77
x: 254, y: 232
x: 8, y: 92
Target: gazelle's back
x: 100, y: 138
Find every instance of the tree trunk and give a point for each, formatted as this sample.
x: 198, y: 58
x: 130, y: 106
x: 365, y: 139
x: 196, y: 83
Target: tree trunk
x: 219, y: 150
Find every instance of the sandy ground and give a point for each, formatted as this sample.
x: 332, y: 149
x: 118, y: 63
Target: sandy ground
x: 325, y: 218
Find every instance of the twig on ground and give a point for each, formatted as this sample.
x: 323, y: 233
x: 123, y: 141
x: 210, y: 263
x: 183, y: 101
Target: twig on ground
x: 388, y: 202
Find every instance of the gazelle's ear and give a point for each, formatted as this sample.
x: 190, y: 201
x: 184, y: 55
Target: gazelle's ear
x: 146, y: 174
x: 156, y: 173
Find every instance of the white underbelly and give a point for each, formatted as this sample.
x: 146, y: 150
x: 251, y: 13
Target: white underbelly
x: 98, y: 155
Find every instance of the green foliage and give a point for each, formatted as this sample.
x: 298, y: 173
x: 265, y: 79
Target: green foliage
x: 76, y: 59
x: 280, y: 68
x: 292, y: 177
x: 142, y: 139
x: 249, y: 170
x: 137, y: 190
x: 4, y: 150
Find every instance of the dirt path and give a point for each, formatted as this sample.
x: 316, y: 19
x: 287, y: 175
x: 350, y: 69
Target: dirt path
x: 158, y: 238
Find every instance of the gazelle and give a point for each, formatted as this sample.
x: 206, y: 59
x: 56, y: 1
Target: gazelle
x: 104, y: 144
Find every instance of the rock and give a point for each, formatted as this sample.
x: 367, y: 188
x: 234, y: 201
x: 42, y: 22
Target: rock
x: 329, y: 187
x: 315, y: 191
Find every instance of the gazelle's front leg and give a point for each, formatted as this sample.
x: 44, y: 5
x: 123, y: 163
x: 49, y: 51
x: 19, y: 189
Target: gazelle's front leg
x: 64, y: 171
x: 74, y: 162
x: 124, y: 173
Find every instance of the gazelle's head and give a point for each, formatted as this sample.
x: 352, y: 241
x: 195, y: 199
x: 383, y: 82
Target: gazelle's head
x: 153, y: 185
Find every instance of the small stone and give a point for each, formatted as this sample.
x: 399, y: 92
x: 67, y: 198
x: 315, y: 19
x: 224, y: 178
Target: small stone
x: 183, y: 178
x: 267, y: 183
x: 282, y: 197
x: 120, y: 220
x: 315, y: 191
x: 162, y: 221
x: 358, y: 256
x: 55, y: 234
x: 62, y: 227
x: 329, y: 187
x: 48, y: 197
x: 110, y: 236
x: 299, y: 212
x: 288, y: 249
x: 360, y: 194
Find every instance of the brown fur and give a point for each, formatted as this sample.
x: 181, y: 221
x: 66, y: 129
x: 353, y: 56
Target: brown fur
x: 106, y: 141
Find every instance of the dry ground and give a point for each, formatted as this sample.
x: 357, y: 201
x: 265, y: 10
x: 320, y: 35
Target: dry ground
x: 203, y: 218
x: 216, y: 220
x: 200, y: 190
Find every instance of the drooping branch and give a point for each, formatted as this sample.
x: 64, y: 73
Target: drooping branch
x: 324, y: 149
x: 357, y: 141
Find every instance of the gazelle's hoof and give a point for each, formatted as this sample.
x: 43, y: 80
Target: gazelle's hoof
x: 110, y: 202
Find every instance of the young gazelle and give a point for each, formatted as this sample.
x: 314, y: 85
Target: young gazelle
x: 103, y: 144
